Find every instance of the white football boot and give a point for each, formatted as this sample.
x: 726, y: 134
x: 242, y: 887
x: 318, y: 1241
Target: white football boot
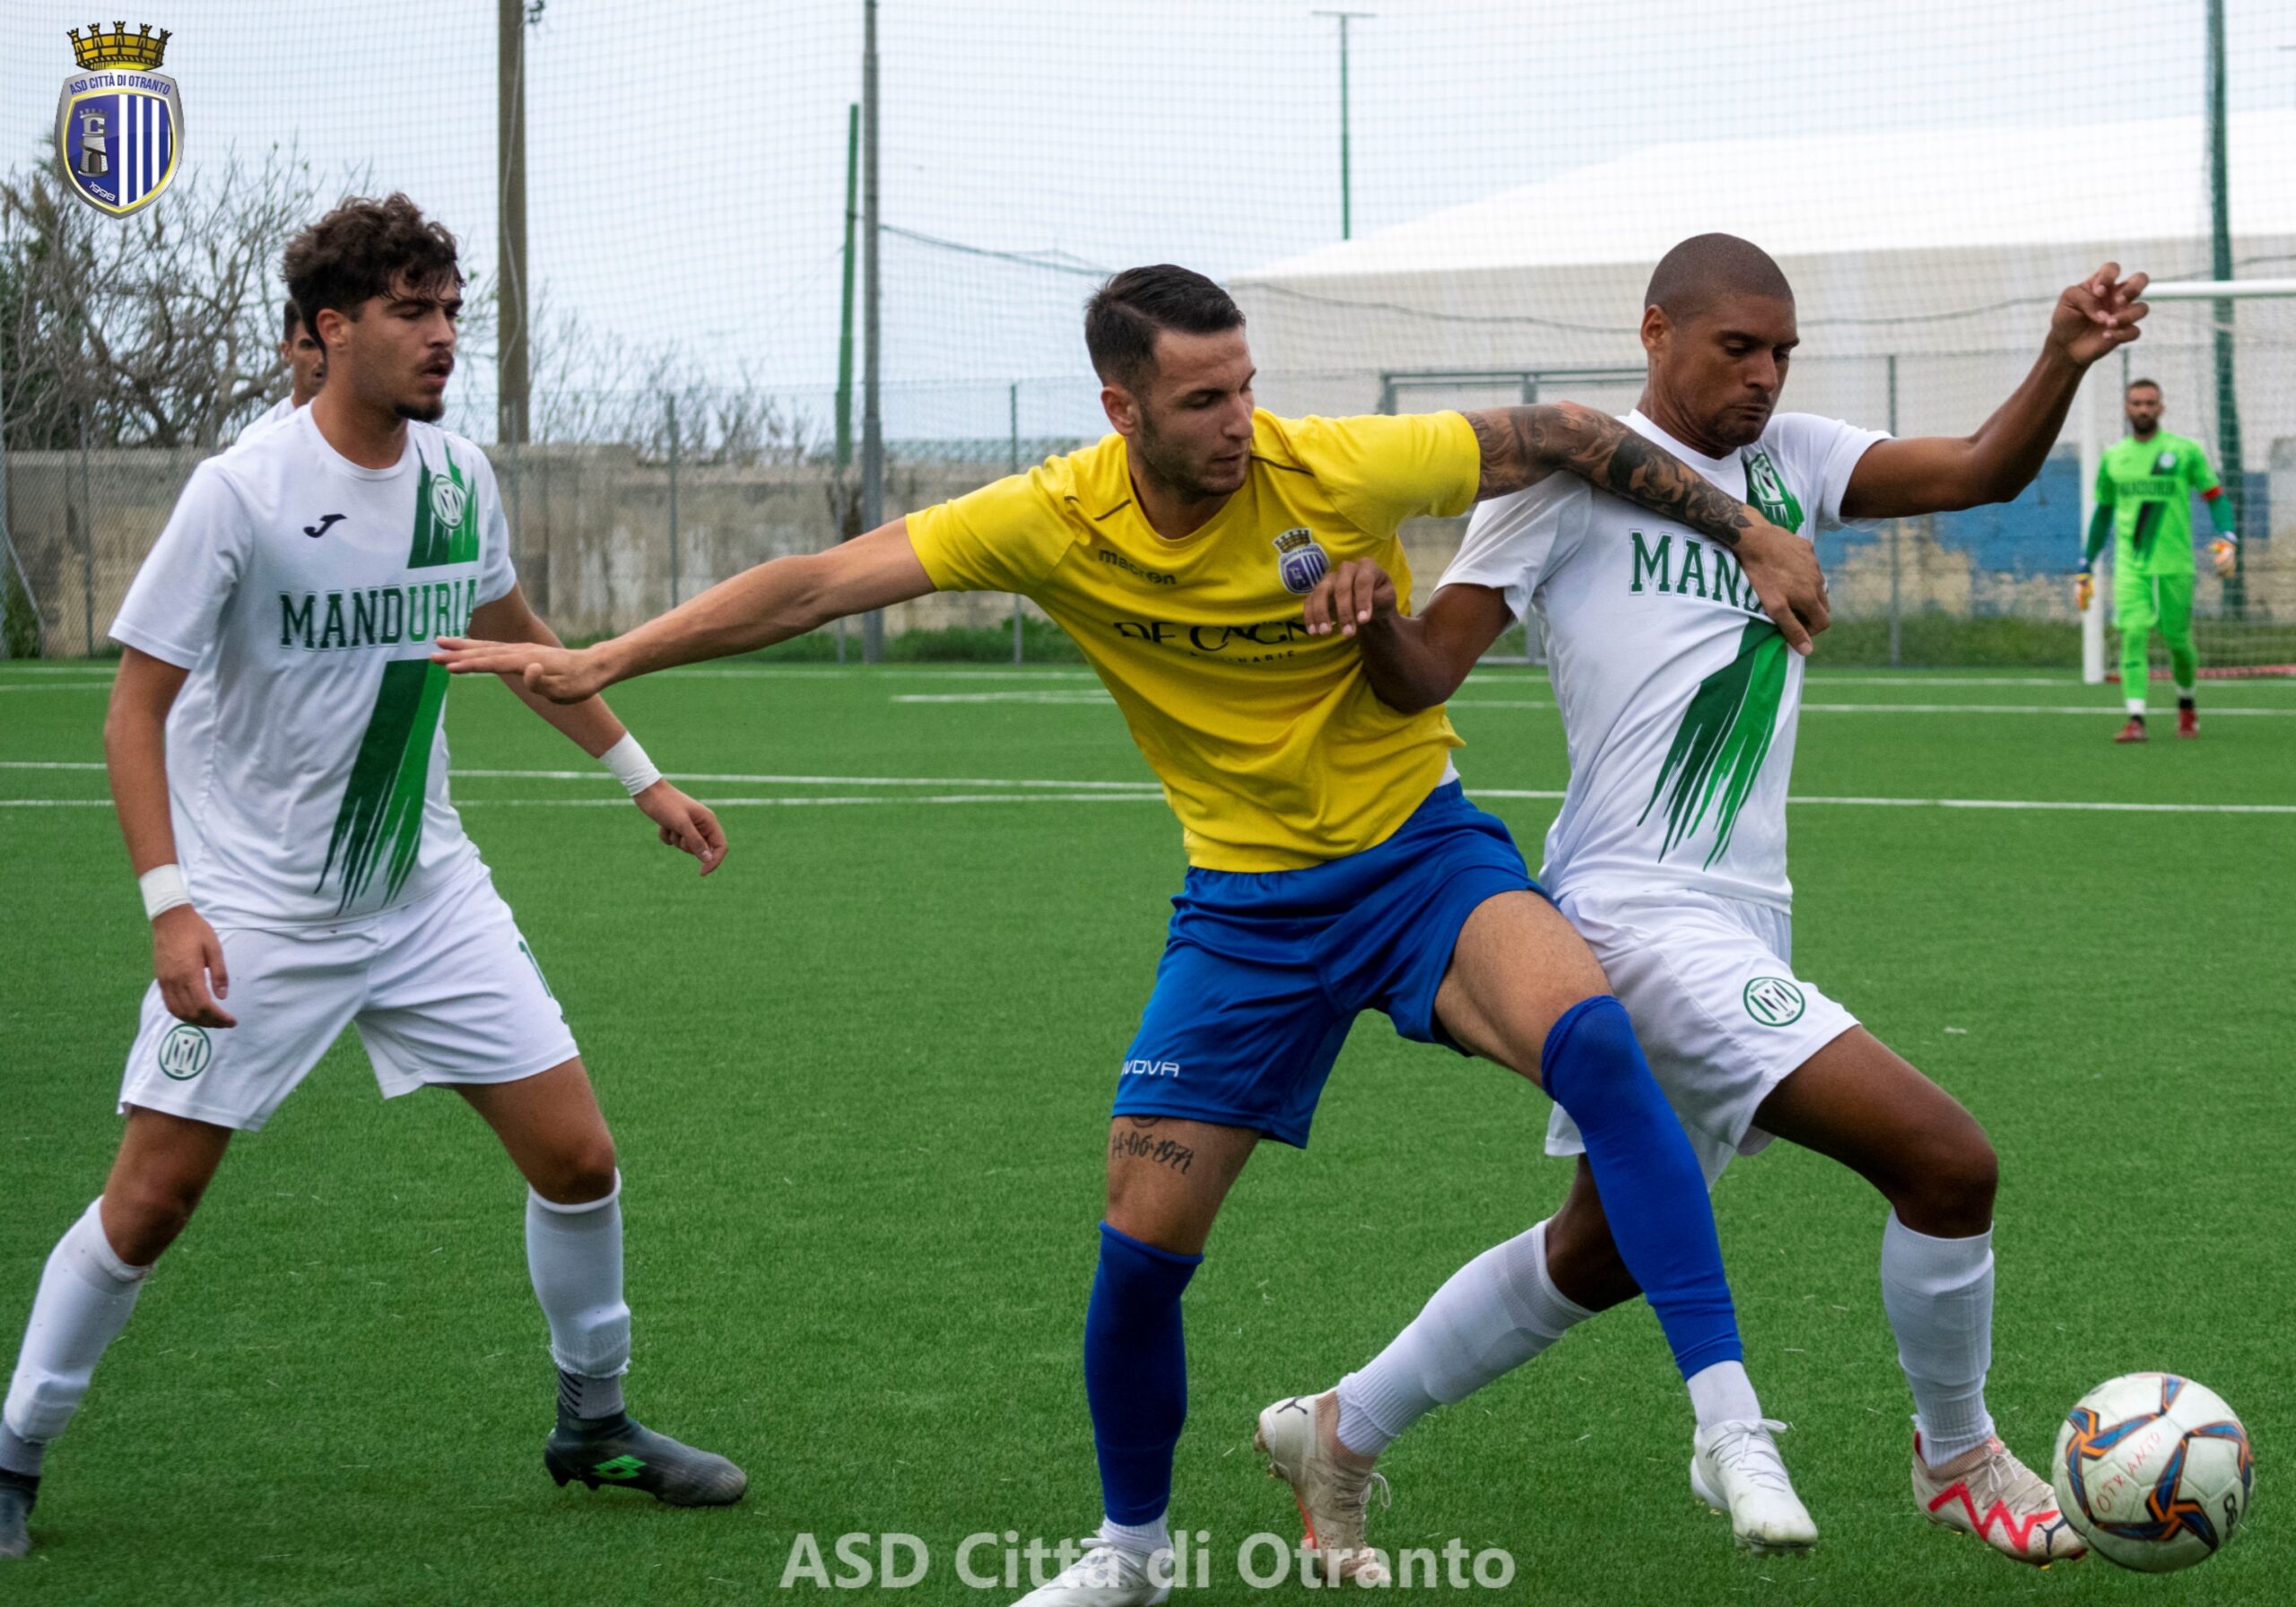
x: 1331, y: 1496
x: 1735, y: 1468
x: 1107, y: 1576
x: 1989, y: 1493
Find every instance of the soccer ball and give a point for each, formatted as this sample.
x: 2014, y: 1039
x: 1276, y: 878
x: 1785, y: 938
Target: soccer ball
x: 2153, y: 1470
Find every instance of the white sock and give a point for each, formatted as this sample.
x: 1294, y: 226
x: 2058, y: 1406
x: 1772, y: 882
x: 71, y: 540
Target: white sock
x: 2184, y: 693
x: 1723, y: 1394
x: 574, y: 1257
x: 2136, y: 706
x: 1145, y: 1539
x: 1493, y: 1315
x: 86, y: 1292
x: 1938, y: 1293
x: 20, y: 1455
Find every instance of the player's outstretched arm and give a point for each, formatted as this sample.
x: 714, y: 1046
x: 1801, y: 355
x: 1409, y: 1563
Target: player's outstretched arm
x: 684, y: 823
x: 1413, y: 661
x: 1522, y: 445
x: 186, y: 959
x: 1938, y: 473
x: 758, y: 607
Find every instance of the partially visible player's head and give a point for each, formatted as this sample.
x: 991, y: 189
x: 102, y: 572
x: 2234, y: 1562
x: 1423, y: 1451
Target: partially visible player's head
x: 1718, y: 322
x: 2144, y: 407
x: 378, y: 284
x: 1176, y: 377
x: 305, y: 358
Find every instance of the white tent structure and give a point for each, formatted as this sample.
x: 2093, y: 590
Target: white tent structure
x: 1942, y: 250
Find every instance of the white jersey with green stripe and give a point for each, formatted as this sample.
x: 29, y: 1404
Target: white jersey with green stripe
x: 1678, y: 696
x: 307, y: 762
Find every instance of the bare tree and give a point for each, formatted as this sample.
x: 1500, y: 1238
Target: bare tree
x: 595, y: 386
x: 159, y: 329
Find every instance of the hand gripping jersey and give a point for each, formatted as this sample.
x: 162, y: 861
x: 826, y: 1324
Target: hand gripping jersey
x: 1273, y: 749
x: 1678, y: 696
x: 307, y: 767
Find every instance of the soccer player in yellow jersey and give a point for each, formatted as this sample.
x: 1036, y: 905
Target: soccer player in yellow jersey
x: 1335, y: 864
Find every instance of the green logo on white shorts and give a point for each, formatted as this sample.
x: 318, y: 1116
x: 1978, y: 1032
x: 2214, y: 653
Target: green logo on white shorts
x: 1774, y: 1002
x: 184, y: 1053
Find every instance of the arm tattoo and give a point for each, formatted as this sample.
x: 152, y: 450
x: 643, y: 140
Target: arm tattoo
x: 1521, y: 446
x: 1140, y: 1141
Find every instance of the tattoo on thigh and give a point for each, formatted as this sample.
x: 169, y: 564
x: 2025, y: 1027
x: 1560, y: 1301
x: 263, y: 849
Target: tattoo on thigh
x: 1140, y: 1142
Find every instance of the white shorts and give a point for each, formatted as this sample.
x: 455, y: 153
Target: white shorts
x: 443, y: 990
x: 1710, y: 984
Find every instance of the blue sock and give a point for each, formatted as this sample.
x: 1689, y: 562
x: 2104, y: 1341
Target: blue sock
x: 1648, y: 1179
x: 1135, y: 1372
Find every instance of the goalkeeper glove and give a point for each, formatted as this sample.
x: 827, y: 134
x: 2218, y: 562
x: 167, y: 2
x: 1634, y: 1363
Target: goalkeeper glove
x: 2085, y: 590
x: 2220, y: 550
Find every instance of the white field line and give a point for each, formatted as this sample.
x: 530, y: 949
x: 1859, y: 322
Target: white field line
x: 1079, y: 695
x: 596, y: 775
x: 880, y: 672
x: 1116, y: 792
x: 2086, y: 710
x: 1940, y: 679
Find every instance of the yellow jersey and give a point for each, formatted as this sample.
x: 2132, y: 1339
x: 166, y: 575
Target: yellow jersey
x: 1273, y: 750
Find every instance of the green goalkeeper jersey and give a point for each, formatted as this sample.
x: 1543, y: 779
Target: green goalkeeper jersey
x: 2150, y: 486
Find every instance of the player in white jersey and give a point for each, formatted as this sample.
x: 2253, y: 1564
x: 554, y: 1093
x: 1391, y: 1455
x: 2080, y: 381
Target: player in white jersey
x: 1678, y: 704
x: 306, y: 361
x: 279, y: 769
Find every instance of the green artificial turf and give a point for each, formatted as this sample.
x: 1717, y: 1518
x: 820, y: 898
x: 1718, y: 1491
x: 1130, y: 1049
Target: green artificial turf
x: 860, y: 1081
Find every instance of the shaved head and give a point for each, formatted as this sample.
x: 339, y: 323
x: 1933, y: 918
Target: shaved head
x: 1720, y: 328
x: 1707, y: 268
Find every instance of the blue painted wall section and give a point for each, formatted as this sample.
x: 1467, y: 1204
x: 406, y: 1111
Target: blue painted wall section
x: 2040, y: 531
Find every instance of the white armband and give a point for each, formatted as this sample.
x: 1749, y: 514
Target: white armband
x: 164, y: 890
x: 630, y: 765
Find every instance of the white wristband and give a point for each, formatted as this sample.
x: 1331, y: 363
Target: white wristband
x: 164, y: 890
x: 630, y: 765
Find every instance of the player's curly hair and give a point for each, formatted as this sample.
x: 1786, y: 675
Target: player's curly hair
x: 1124, y: 314
x: 361, y: 250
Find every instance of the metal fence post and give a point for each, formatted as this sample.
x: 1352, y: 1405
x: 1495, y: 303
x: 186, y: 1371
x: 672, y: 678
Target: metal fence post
x: 1013, y: 466
x: 1897, y: 528
x: 15, y: 565
x: 87, y: 546
x: 670, y: 405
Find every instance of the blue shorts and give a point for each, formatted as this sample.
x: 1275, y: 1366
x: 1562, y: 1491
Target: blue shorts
x: 1264, y: 971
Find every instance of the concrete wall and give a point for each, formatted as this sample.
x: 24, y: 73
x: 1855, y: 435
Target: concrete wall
x: 591, y: 532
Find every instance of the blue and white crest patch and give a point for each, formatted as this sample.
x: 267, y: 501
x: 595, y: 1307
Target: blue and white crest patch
x: 1300, y: 561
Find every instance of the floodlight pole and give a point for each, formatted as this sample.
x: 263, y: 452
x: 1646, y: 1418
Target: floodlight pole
x: 512, y: 380
x: 845, y: 321
x: 1346, y: 164
x: 872, y: 433
x: 2220, y: 229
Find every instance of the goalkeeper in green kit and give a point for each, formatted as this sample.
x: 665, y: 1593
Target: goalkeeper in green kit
x: 2145, y: 485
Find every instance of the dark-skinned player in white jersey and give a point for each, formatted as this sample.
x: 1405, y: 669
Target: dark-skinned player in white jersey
x: 1679, y: 705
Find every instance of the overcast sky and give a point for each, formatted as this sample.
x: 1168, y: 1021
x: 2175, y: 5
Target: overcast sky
x: 687, y: 163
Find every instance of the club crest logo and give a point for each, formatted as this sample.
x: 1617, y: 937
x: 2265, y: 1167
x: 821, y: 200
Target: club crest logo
x: 120, y: 120
x: 1774, y: 1002
x: 2166, y: 463
x: 446, y: 500
x: 1766, y: 487
x: 1300, y: 561
x: 184, y: 1053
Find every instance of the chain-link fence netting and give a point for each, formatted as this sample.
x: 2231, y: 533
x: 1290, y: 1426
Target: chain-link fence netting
x: 697, y: 307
